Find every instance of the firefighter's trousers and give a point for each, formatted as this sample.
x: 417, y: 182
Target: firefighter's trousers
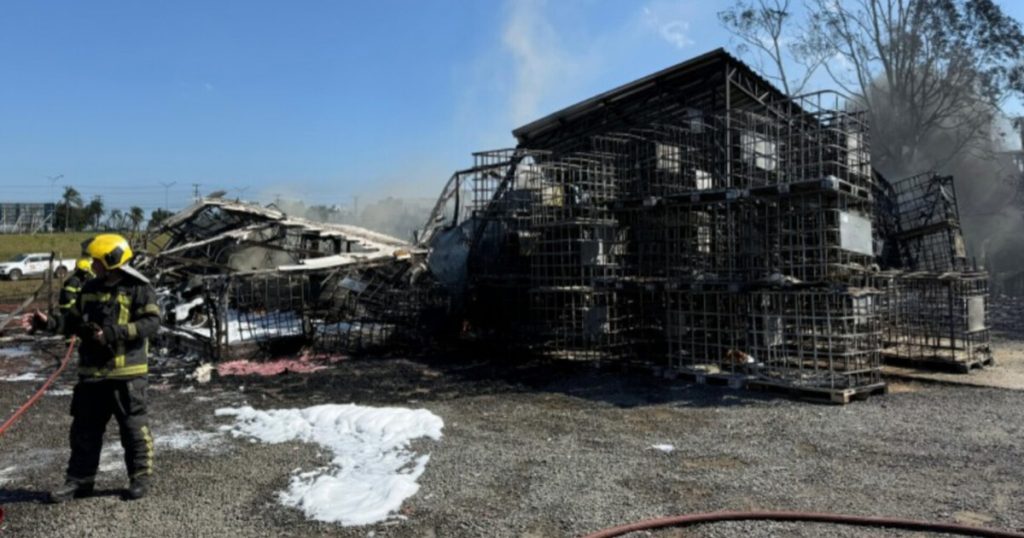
x: 92, y: 405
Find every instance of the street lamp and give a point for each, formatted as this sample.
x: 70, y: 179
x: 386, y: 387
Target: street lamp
x: 167, y: 186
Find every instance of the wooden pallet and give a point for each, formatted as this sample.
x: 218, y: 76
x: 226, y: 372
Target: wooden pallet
x: 733, y: 381
x: 940, y: 363
x: 835, y: 396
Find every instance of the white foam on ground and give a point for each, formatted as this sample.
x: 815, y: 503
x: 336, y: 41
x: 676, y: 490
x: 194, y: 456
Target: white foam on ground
x: 19, y: 351
x: 165, y: 437
x: 6, y: 474
x: 664, y: 447
x: 30, y: 376
x: 184, y: 439
x: 372, y: 471
x: 60, y: 392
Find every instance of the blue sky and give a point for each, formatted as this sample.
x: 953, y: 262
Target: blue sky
x: 317, y: 100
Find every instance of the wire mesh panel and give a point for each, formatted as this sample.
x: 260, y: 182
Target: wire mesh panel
x: 929, y: 224
x: 671, y: 160
x: 645, y: 247
x: 816, y: 236
x: 702, y: 240
x: 391, y: 304
x: 643, y: 305
x: 575, y: 253
x: 828, y: 138
x: 707, y: 331
x: 817, y: 338
x: 939, y: 317
x: 265, y: 307
x: 579, y: 323
x: 756, y: 144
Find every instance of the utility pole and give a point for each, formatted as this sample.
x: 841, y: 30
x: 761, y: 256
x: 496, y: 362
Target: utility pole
x: 166, y: 187
x: 100, y: 199
x: 67, y: 214
x: 53, y: 193
x: 195, y: 191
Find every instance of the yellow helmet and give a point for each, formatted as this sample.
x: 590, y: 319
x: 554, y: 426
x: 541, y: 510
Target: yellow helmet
x: 84, y: 264
x: 112, y: 250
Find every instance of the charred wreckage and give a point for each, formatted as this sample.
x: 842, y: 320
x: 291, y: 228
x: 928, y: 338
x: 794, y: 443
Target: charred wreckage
x: 697, y: 220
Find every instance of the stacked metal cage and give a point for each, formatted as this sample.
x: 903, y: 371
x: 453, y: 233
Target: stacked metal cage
x: 936, y: 319
x: 575, y: 259
x: 740, y: 240
x: 936, y: 302
x: 725, y: 242
x: 760, y: 239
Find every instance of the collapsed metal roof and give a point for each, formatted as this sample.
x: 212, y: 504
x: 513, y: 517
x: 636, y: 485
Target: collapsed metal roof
x: 241, y: 237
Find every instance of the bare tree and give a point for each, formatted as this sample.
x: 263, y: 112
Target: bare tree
x: 928, y: 71
x: 931, y: 73
x: 767, y: 29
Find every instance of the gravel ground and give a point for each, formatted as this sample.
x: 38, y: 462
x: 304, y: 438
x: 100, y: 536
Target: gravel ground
x: 538, y: 450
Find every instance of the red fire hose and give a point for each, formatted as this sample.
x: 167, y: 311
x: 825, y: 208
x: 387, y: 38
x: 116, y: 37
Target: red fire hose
x: 895, y: 523
x: 35, y: 397
x: 39, y: 393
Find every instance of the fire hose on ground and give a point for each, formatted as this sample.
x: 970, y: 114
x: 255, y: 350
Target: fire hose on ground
x: 39, y: 393
x: 841, y: 519
x: 35, y: 397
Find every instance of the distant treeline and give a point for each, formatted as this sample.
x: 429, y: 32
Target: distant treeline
x: 74, y: 214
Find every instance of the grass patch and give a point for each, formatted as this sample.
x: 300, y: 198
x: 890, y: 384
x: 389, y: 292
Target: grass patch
x: 66, y: 245
x: 15, y: 292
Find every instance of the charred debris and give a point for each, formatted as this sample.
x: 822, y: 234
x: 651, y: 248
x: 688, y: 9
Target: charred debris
x: 697, y: 220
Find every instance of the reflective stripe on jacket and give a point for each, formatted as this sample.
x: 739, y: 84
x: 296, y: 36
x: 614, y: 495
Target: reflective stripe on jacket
x: 128, y: 315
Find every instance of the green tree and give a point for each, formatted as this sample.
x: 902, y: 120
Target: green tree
x: 136, y: 216
x: 116, y: 220
x: 67, y: 214
x: 157, y: 217
x: 93, y: 212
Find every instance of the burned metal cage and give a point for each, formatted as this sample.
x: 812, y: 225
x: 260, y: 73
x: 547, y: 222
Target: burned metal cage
x: 817, y: 338
x: 707, y: 331
x: 937, y: 319
x: 820, y: 233
x: 929, y: 236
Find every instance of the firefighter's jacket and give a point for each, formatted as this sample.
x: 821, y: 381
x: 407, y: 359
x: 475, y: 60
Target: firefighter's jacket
x: 127, y: 314
x: 72, y: 287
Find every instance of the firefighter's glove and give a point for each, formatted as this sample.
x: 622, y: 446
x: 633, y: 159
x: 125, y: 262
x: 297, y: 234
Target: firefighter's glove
x: 91, y: 332
x: 109, y: 335
x: 36, y: 321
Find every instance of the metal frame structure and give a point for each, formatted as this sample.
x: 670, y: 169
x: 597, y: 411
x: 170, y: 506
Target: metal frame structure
x: 697, y: 217
x: 936, y: 319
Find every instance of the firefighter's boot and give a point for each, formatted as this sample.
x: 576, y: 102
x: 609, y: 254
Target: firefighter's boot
x: 70, y: 490
x: 138, y: 488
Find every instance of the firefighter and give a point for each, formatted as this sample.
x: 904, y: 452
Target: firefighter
x: 114, y: 314
x: 73, y: 285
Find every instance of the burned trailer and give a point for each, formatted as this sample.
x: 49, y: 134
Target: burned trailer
x: 238, y: 279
